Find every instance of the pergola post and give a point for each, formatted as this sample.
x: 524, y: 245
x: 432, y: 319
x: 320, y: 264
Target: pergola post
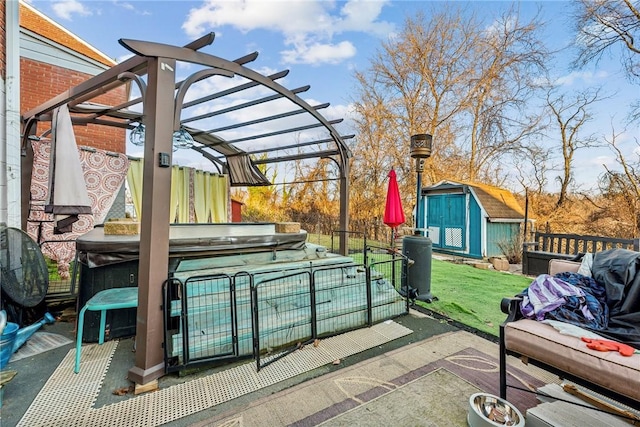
x: 154, y: 226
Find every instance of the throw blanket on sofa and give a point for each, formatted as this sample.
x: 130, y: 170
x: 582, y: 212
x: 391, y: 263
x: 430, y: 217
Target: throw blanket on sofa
x: 608, y: 303
x: 568, y: 298
x: 595, y: 299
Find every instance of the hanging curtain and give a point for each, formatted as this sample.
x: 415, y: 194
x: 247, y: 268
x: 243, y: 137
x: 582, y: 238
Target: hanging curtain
x: 183, y: 195
x: 196, y: 196
x: 200, y: 197
x: 176, y: 188
x: 224, y: 199
x: 207, y: 192
x: 218, y: 199
x: 68, y: 196
x: 192, y: 209
x: 134, y: 181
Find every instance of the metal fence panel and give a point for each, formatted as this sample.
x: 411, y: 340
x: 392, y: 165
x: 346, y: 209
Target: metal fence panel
x: 269, y: 314
x: 283, y: 314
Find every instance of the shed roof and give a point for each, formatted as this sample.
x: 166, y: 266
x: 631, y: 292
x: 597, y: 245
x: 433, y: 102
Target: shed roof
x: 499, y: 203
x: 34, y: 21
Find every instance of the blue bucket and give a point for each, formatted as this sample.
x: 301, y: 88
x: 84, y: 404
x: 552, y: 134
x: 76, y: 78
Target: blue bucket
x: 7, y: 339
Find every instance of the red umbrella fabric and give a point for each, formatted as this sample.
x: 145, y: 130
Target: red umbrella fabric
x: 393, y: 213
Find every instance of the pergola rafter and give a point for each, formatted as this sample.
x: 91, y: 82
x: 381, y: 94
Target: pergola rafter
x: 233, y: 90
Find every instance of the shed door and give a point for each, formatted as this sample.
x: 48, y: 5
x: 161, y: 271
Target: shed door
x: 446, y: 219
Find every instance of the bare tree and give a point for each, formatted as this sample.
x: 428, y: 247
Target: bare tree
x: 405, y: 91
x: 533, y: 164
x: 421, y: 76
x: 497, y: 100
x: 604, y: 24
x: 313, y: 200
x: 623, y: 187
x: 376, y: 149
x: 460, y: 79
x: 569, y: 114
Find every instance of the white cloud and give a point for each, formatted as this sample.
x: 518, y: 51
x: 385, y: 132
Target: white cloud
x: 338, y: 111
x: 497, y: 28
x: 308, y: 27
x: 362, y: 15
x: 124, y: 5
x: 66, y: 8
x: 282, y: 16
x: 587, y: 77
x: 601, y: 160
x: 131, y: 7
x: 316, y: 53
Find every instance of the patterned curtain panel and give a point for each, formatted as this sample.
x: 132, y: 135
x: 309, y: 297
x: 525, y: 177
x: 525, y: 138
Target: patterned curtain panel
x: 104, y: 174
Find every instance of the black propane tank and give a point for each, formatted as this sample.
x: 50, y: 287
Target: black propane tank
x: 418, y: 249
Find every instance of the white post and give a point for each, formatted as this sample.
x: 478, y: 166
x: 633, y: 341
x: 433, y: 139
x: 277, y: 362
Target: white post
x: 10, y: 198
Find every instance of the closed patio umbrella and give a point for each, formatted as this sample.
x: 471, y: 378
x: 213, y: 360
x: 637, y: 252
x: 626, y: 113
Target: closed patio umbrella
x: 393, y: 212
x: 68, y: 196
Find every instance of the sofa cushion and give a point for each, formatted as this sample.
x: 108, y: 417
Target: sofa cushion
x: 542, y: 342
x: 563, y: 265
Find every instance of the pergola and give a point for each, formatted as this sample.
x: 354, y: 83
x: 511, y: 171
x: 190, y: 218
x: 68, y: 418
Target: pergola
x: 165, y: 112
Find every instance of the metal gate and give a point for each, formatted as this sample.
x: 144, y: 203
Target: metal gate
x: 201, y: 320
x: 283, y: 314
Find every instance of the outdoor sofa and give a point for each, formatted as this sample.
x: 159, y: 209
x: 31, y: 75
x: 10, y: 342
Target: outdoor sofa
x: 606, y: 372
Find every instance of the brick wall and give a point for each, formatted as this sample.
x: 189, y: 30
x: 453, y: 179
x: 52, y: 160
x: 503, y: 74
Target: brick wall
x: 40, y: 82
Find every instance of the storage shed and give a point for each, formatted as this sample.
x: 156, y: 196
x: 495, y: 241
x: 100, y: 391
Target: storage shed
x: 470, y: 219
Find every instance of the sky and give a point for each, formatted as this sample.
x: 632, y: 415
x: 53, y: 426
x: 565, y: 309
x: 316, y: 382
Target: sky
x: 323, y: 42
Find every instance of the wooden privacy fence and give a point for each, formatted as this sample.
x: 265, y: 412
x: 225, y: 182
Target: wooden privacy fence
x: 547, y: 246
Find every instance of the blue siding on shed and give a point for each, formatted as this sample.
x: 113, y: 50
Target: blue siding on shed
x: 434, y: 210
x: 457, y: 223
x: 475, y: 229
x: 501, y: 232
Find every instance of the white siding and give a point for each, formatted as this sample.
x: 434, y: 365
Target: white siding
x: 37, y: 48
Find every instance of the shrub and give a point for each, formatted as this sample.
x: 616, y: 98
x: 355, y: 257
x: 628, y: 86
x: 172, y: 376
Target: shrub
x: 512, y: 249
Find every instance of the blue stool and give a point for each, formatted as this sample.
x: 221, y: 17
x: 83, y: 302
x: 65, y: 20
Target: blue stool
x: 109, y: 299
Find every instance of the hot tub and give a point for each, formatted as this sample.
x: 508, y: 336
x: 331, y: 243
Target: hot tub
x: 111, y: 261
x: 237, y: 290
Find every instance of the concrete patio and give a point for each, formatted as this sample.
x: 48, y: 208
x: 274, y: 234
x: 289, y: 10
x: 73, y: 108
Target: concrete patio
x: 328, y: 392
x: 413, y: 370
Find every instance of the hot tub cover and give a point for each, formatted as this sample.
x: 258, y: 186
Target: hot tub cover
x: 188, y: 240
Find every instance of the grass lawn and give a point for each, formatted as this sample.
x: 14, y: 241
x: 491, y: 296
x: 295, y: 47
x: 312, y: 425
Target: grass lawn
x: 471, y: 295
